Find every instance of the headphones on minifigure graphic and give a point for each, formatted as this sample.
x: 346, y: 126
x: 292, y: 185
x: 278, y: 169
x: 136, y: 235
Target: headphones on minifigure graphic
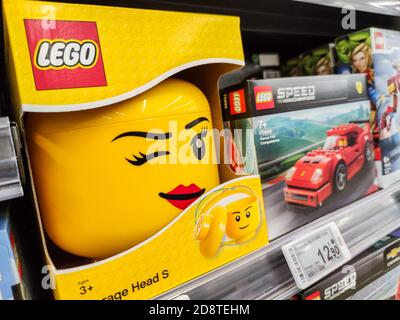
x: 231, y: 213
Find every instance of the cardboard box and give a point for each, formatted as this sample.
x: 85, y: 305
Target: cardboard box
x: 361, y: 271
x: 279, y: 127
x: 376, y: 53
x: 102, y: 59
x: 386, y: 287
x: 10, y: 278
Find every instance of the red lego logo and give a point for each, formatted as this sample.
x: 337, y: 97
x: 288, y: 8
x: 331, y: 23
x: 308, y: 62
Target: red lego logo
x: 379, y: 41
x: 264, y: 97
x: 67, y: 55
x: 237, y: 102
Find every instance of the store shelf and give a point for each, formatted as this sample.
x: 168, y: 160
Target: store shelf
x: 272, y: 16
x: 374, y: 6
x: 264, y: 274
x: 287, y: 27
x: 284, y: 26
x: 10, y: 182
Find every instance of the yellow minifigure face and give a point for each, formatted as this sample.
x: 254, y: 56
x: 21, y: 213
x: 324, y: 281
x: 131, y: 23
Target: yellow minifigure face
x: 243, y: 219
x: 109, y: 178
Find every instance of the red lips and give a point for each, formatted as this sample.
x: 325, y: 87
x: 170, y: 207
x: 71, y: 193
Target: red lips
x: 182, y: 196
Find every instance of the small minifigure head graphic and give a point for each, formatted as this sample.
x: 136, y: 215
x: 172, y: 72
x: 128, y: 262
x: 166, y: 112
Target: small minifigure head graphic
x: 361, y: 58
x: 243, y: 219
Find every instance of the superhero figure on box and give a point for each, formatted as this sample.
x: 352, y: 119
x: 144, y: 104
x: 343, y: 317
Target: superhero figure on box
x: 361, y: 62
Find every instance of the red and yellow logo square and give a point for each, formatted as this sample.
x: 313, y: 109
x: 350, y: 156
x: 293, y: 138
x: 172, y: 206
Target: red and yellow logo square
x: 65, y: 54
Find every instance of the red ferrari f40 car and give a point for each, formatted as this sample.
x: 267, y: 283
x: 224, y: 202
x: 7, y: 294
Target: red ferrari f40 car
x: 326, y: 170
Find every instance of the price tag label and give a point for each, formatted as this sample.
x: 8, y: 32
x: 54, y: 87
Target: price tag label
x: 315, y: 255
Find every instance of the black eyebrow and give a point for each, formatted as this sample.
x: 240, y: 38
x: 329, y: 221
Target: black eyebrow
x: 196, y: 121
x: 236, y: 212
x: 247, y: 208
x: 142, y: 134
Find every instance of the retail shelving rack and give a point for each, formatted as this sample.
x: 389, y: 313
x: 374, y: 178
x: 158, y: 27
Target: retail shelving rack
x: 10, y: 182
x: 265, y: 274
x: 288, y: 27
x: 284, y: 26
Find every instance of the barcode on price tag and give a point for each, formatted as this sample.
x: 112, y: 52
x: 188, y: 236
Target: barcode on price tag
x: 315, y: 255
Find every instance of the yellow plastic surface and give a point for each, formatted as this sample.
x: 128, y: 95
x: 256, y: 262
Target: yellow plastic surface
x: 166, y: 260
x: 232, y: 212
x: 209, y: 245
x: 243, y: 219
x: 94, y: 198
x: 90, y: 198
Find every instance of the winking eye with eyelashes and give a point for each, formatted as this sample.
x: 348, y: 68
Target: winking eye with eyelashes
x: 146, y: 157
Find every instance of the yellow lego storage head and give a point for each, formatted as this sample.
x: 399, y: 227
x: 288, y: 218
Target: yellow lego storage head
x: 109, y: 178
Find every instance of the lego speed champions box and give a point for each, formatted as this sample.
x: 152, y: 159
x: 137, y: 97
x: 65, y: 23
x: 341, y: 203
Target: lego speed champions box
x: 376, y: 53
x: 310, y: 140
x: 386, y: 287
x: 118, y: 108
